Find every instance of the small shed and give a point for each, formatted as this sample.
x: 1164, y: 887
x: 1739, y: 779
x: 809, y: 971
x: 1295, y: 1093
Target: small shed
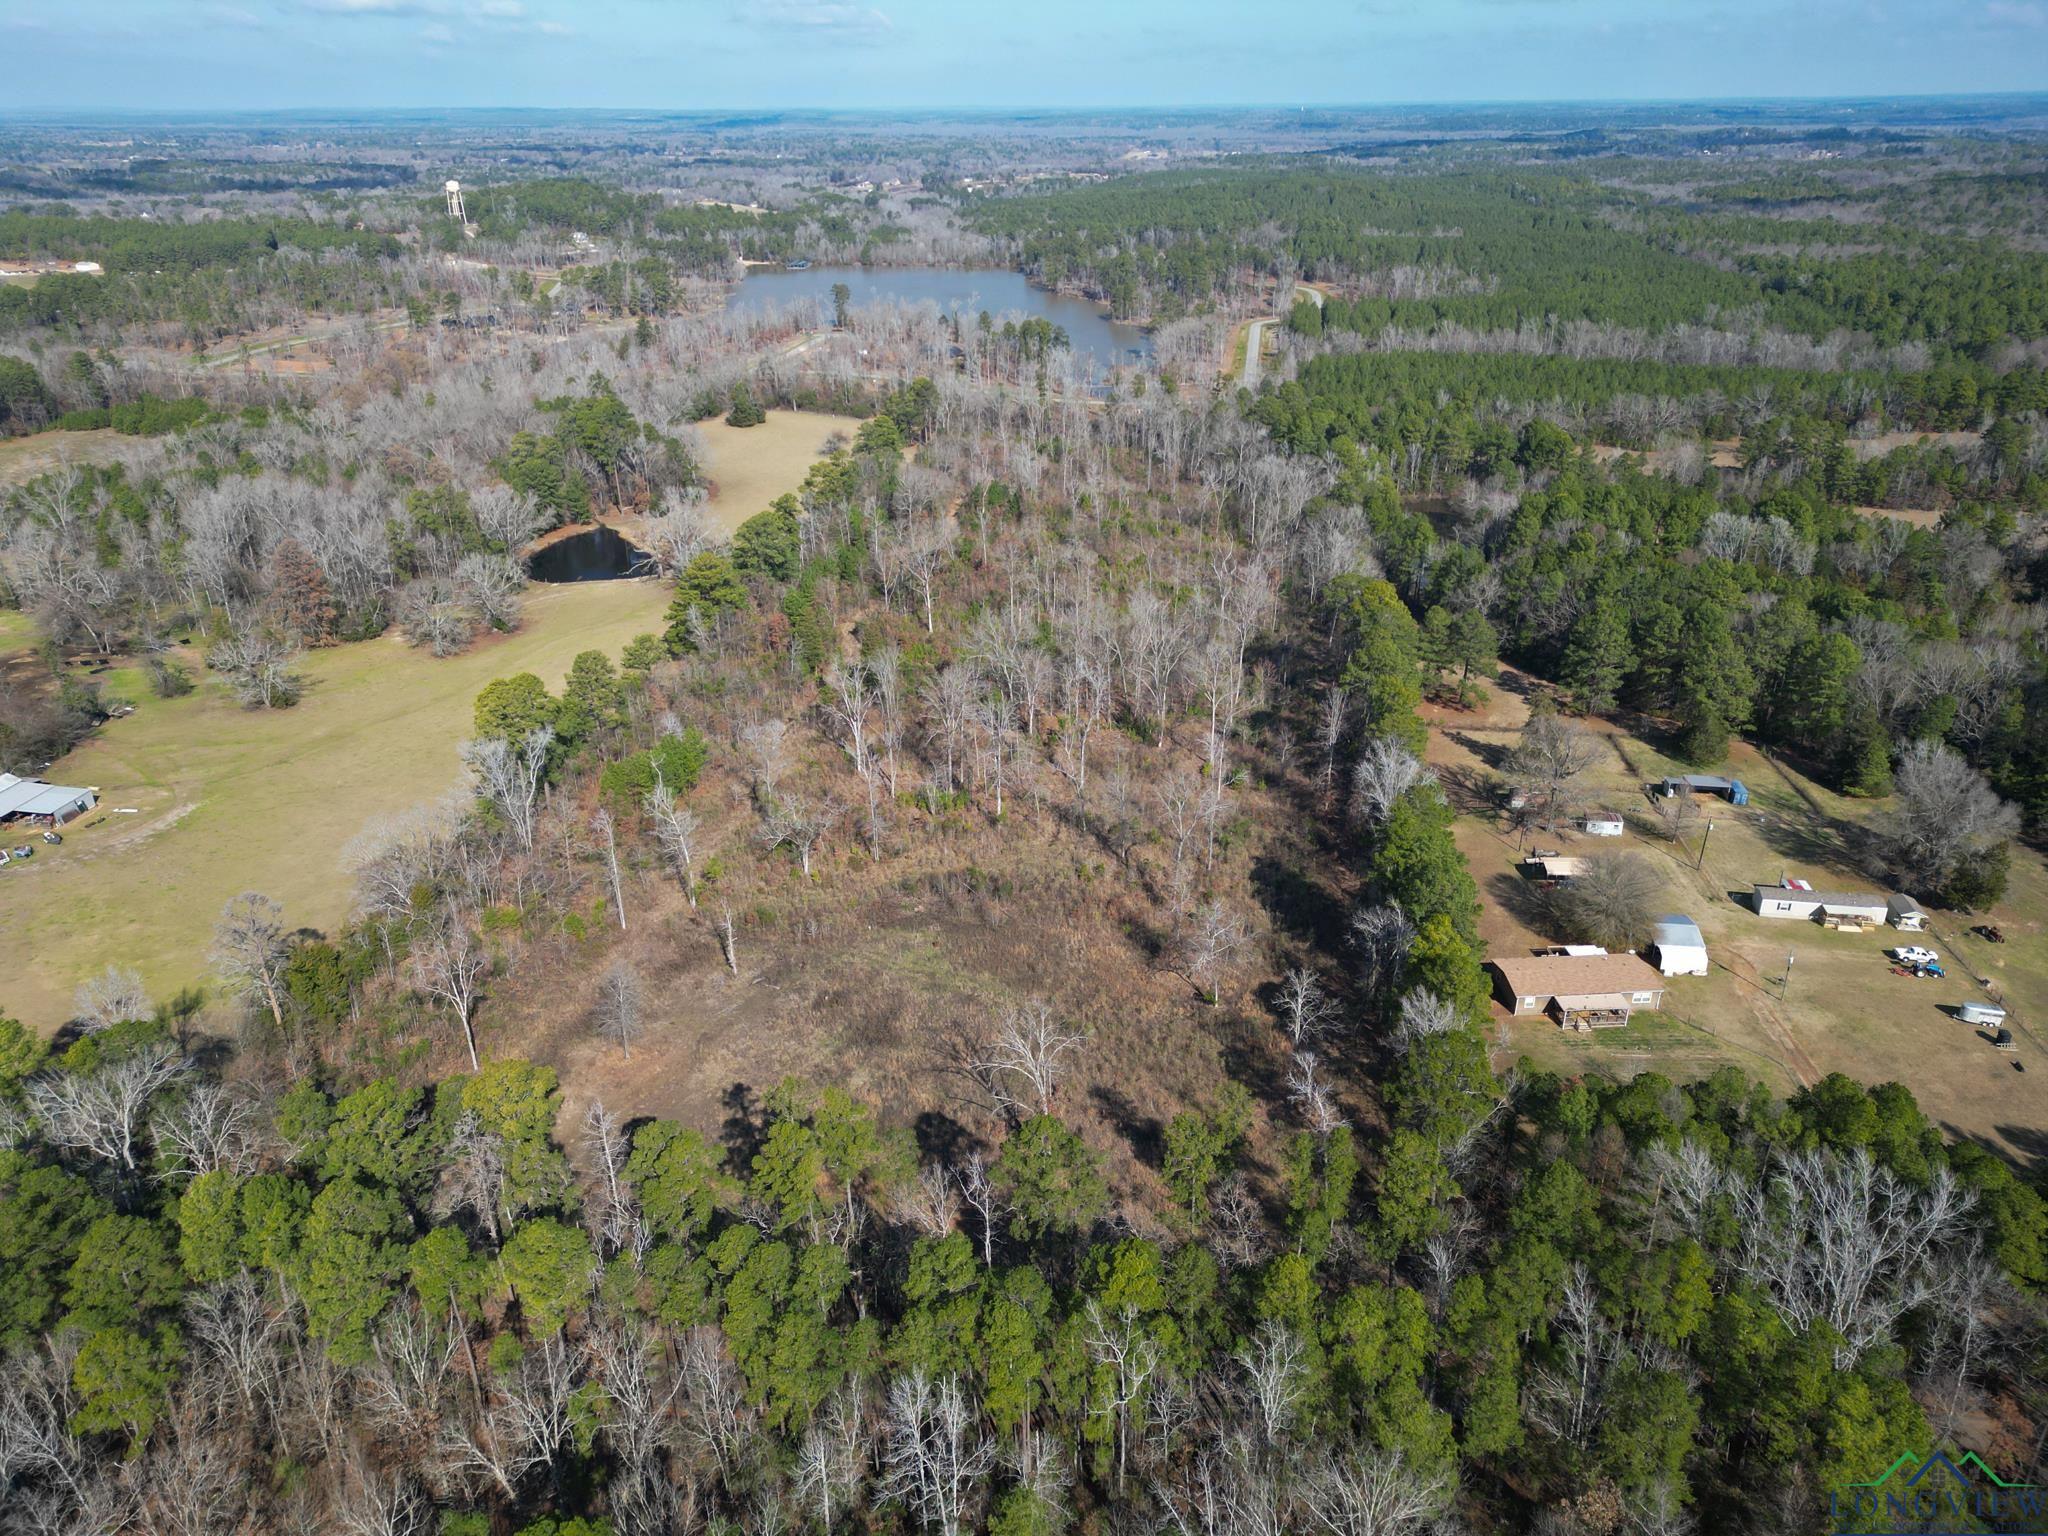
x: 1904, y: 913
x: 1980, y: 1013
x: 1581, y: 992
x: 1676, y: 943
x: 1605, y: 824
x: 1557, y: 867
x: 1733, y: 790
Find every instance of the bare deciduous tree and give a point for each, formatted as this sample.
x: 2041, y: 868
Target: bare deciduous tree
x: 620, y: 1001
x: 1612, y: 902
x: 103, y: 1112
x: 1306, y: 1007
x: 1029, y: 1048
x: 676, y: 830
x: 935, y: 1454
x: 509, y: 777
x: 1553, y: 755
x: 115, y: 996
x: 1385, y: 771
x: 450, y: 966
x: 251, y: 948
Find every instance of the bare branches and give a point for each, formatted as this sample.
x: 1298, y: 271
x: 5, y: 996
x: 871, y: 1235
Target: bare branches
x: 1024, y: 1060
x: 509, y: 777
x: 620, y: 1002
x: 102, y: 1112
x: 250, y: 948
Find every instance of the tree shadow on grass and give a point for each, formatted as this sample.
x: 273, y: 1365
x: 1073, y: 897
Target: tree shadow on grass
x: 1305, y: 910
x: 1523, y: 900
x: 745, y: 1128
x: 1144, y: 1134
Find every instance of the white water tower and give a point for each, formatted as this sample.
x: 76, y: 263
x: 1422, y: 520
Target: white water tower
x: 455, y: 211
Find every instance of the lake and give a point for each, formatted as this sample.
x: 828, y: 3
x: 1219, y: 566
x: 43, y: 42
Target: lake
x: 1092, y: 334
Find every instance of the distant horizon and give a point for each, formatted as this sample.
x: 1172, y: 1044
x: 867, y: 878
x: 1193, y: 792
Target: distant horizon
x: 1063, y: 55
x: 1013, y: 109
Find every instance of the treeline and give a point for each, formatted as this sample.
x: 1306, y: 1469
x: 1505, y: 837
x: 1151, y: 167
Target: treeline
x: 1491, y: 250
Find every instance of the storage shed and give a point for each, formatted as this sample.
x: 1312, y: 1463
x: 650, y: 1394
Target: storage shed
x: 1605, y: 824
x: 1579, y: 991
x: 1556, y: 867
x: 1676, y: 943
x: 1904, y: 913
x: 1733, y: 790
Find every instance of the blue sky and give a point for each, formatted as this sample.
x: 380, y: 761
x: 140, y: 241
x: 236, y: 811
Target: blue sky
x: 951, y: 53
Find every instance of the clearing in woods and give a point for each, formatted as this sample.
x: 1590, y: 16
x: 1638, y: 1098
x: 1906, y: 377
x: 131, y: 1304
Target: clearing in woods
x: 229, y: 800
x: 1841, y: 1008
x: 23, y: 458
x: 751, y: 466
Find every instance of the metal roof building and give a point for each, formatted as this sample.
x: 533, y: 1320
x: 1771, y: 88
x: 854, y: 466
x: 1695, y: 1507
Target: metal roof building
x: 34, y: 800
x: 1680, y: 950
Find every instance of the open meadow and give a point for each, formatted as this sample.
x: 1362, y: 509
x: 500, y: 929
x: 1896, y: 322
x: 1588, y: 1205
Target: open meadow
x: 1840, y: 1009
x: 227, y: 800
x: 751, y: 466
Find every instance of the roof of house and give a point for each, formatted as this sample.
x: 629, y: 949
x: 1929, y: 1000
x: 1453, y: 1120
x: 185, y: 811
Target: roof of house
x: 1823, y: 898
x: 1675, y: 928
x: 1898, y: 901
x: 1700, y: 780
x: 32, y: 797
x: 1561, y: 867
x: 1575, y: 975
x: 1603, y: 815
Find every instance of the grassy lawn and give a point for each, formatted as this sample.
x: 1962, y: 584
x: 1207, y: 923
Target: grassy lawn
x: 228, y: 800
x: 751, y: 466
x: 1839, y: 1009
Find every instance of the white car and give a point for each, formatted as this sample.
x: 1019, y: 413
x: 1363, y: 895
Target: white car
x: 1915, y: 954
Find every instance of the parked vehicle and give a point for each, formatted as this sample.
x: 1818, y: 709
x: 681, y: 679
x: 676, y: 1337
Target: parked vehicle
x: 1914, y: 954
x: 53, y: 837
x: 1991, y: 933
x: 25, y: 851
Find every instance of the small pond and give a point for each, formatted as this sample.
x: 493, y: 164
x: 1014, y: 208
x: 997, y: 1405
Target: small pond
x: 596, y: 554
x: 967, y: 291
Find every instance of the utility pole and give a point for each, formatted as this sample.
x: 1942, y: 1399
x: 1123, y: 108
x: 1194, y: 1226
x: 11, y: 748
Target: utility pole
x: 1786, y: 985
x: 1704, y: 840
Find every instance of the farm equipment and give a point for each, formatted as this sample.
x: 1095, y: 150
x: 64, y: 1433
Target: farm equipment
x: 1990, y: 933
x: 53, y: 838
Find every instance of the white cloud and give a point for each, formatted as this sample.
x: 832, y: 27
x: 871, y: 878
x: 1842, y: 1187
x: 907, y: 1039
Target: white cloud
x: 819, y: 18
x: 2017, y: 13
x: 439, y: 33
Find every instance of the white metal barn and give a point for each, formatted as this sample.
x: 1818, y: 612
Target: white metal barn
x: 1605, y: 824
x: 1675, y: 941
x: 32, y: 800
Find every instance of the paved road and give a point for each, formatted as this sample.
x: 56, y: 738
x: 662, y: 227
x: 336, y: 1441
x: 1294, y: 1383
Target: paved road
x: 1254, y: 338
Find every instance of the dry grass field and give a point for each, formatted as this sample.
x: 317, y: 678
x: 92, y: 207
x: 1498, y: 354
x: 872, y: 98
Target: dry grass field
x: 883, y: 978
x: 23, y: 458
x: 1839, y: 1009
x: 227, y: 800
x: 751, y: 466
